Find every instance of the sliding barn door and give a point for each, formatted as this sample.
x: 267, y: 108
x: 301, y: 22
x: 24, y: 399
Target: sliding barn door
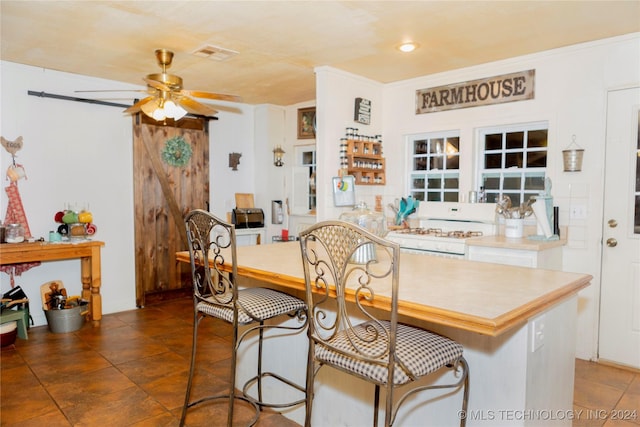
x: 171, y: 177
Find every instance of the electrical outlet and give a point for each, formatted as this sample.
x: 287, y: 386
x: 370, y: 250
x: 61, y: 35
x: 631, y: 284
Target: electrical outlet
x: 536, y: 333
x: 578, y: 212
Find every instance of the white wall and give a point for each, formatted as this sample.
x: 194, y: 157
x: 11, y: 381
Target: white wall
x: 336, y: 92
x: 570, y: 93
x: 78, y: 152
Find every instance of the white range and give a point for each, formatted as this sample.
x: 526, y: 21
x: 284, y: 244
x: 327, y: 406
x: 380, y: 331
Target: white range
x: 443, y: 228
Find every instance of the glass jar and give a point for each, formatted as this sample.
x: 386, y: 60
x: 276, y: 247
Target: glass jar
x: 14, y: 233
x: 372, y: 221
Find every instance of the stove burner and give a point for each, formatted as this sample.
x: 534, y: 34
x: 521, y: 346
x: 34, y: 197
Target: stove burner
x: 438, y: 232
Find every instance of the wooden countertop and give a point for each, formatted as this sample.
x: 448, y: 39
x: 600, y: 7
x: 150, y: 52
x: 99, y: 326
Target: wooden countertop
x: 489, y: 299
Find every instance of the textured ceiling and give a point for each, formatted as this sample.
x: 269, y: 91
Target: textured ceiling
x: 280, y: 42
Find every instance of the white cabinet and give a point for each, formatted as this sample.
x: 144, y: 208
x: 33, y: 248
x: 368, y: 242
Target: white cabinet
x: 548, y: 259
x: 250, y: 236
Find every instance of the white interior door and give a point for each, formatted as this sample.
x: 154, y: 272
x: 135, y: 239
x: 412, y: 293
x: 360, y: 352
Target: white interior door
x: 619, y: 340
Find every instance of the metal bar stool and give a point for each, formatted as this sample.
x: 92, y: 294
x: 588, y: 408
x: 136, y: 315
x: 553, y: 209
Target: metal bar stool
x: 339, y: 259
x: 215, y: 294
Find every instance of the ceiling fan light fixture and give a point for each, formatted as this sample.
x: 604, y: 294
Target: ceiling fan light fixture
x: 174, y: 111
x: 159, y: 114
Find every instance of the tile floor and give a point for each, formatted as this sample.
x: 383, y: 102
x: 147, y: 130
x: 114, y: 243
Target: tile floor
x: 132, y: 372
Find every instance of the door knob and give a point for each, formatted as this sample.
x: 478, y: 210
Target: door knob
x: 611, y: 242
x: 612, y: 223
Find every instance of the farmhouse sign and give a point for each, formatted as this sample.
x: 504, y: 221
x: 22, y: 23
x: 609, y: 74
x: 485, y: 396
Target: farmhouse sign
x: 493, y: 90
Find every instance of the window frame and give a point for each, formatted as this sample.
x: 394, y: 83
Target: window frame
x: 529, y: 179
x: 445, y: 176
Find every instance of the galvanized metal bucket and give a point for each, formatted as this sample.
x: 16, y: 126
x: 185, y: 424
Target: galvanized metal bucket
x: 66, y: 320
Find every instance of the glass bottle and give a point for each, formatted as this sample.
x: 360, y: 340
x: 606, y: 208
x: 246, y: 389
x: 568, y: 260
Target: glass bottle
x: 14, y: 233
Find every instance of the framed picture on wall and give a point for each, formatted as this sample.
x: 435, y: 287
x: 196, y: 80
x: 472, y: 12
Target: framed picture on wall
x: 307, y: 123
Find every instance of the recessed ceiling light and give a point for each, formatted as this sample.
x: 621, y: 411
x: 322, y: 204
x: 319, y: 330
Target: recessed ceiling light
x: 408, y: 47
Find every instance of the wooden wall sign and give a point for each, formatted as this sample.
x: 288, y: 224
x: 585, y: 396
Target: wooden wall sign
x: 362, y: 113
x: 492, y: 90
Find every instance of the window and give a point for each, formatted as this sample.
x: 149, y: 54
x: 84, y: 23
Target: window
x: 434, y: 169
x: 513, y: 161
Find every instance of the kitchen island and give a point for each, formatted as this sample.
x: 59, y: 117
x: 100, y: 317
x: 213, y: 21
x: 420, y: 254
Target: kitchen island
x: 517, y: 325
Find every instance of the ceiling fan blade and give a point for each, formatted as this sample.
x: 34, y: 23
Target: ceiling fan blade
x: 157, y: 85
x: 209, y: 95
x: 138, y: 105
x: 194, y: 107
x: 111, y: 90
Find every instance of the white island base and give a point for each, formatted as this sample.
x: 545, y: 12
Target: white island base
x: 510, y: 382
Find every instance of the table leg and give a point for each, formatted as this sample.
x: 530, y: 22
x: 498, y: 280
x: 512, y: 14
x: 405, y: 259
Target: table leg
x: 91, y: 282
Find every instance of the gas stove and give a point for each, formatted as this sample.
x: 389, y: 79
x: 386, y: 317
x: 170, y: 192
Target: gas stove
x: 444, y: 227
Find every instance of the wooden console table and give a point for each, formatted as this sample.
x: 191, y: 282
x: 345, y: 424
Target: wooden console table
x: 88, y: 252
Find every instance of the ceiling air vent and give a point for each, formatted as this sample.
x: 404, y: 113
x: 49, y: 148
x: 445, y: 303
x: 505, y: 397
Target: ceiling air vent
x: 214, y: 52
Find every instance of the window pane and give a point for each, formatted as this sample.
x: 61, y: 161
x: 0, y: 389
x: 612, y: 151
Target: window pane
x: 307, y: 158
x: 453, y: 145
x: 515, y: 140
x: 436, y: 163
x: 434, y: 183
x: 437, y: 146
x: 511, y: 183
x: 453, y: 162
x: 537, y: 159
x: 513, y: 160
x: 491, y: 182
x: 493, y: 161
x: 492, y: 197
x: 493, y: 142
x: 418, y: 183
x: 638, y: 171
x: 537, y: 138
x: 420, y: 147
x: 418, y: 195
x: 451, y: 182
x: 533, y: 182
x: 451, y: 197
x: 420, y: 164
x: 433, y: 197
x: 515, y: 198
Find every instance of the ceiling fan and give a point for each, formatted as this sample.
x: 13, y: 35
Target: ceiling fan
x: 167, y: 98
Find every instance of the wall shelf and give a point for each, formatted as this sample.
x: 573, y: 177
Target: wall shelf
x: 365, y: 162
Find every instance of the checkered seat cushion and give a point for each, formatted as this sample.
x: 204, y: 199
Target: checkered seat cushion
x: 255, y: 303
x: 422, y: 352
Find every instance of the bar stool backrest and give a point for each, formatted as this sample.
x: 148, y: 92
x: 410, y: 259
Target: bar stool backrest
x: 211, y: 239
x: 336, y: 273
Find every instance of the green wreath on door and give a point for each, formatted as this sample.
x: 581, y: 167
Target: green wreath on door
x: 176, y: 152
